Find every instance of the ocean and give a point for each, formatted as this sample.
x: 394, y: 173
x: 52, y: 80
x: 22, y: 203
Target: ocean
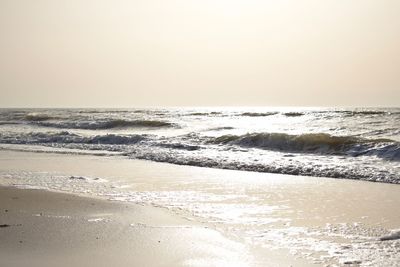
x: 356, y: 143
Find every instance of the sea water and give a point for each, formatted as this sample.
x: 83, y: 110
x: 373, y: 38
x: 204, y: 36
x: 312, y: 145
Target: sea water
x: 361, y: 143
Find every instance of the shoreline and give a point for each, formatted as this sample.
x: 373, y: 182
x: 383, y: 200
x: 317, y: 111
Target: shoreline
x: 29, y: 148
x: 338, y: 215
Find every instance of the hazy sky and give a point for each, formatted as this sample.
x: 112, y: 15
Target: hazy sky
x: 127, y: 53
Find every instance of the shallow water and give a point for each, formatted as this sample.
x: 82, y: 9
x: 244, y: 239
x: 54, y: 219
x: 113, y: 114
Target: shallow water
x: 339, y: 143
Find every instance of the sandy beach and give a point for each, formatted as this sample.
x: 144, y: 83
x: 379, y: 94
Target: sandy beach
x: 41, y: 228
x: 167, y: 215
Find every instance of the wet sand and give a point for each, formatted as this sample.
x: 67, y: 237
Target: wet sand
x: 53, y: 229
x: 41, y: 228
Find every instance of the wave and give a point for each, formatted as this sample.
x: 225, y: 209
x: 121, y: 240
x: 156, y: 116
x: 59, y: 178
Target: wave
x: 351, y: 113
x: 279, y: 167
x: 212, y: 113
x: 180, y: 146
x: 392, y: 236
x: 9, y: 123
x: 219, y: 128
x: 198, y: 114
x: 71, y: 138
x: 370, y: 112
x: 366, y: 112
x: 39, y: 117
x: 257, y: 114
x: 330, y: 158
x: 101, y: 111
x: 109, y: 124
x: 320, y: 143
x: 293, y: 114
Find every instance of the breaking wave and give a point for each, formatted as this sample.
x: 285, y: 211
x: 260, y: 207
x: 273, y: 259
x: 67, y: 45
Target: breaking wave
x: 219, y: 152
x: 320, y: 143
x: 71, y: 138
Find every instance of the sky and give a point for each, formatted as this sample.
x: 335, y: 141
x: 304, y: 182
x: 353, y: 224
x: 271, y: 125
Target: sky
x: 131, y: 53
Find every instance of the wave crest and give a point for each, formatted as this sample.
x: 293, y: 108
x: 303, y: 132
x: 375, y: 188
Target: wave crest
x: 258, y: 114
x: 38, y: 117
x: 65, y: 137
x: 293, y: 114
x: 320, y: 143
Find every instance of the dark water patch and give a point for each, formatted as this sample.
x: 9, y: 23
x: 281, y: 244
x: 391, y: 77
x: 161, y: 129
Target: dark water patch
x: 198, y: 114
x: 351, y: 113
x: 101, y: 111
x: 369, y: 112
x: 213, y: 113
x: 222, y: 128
x: 393, y: 236
x: 9, y: 123
x: 179, y: 146
x: 39, y: 117
x: 293, y: 114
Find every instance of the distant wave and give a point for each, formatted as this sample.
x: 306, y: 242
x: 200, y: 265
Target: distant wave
x: 38, y: 117
x: 258, y: 114
x: 213, y: 113
x: 367, y: 112
x: 109, y: 124
x: 102, y: 111
x: 9, y: 123
x: 320, y: 143
x: 351, y: 113
x: 198, y: 114
x: 293, y: 114
x: 219, y: 128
